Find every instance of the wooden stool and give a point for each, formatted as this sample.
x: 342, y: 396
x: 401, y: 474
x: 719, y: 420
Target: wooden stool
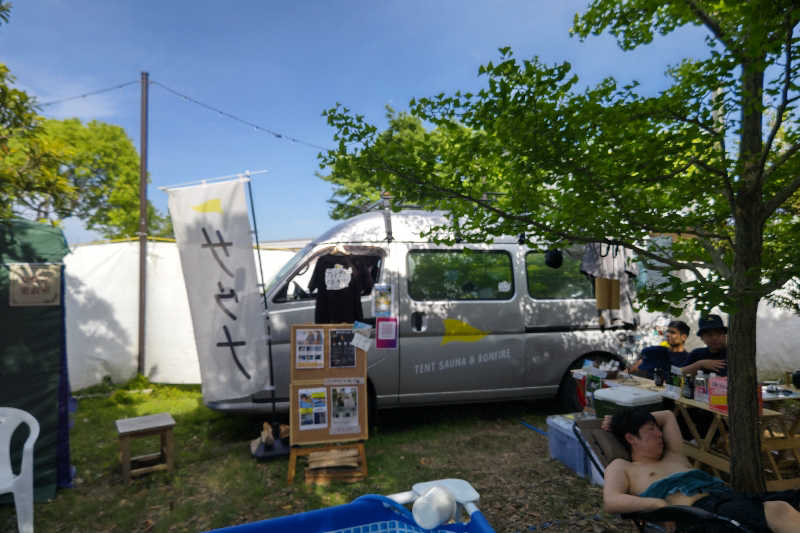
x: 142, y: 426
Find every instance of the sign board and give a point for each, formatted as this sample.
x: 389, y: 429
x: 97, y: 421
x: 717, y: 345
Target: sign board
x: 34, y: 284
x: 328, y: 393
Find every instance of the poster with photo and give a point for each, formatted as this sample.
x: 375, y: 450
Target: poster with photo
x: 344, y: 410
x: 386, y: 333
x: 309, y: 348
x: 313, y: 408
x: 382, y: 299
x: 343, y: 353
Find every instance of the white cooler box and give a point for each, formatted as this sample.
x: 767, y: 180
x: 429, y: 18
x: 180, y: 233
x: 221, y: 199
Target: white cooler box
x: 607, y: 401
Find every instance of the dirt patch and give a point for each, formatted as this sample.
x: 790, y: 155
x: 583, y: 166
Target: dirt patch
x: 522, y: 489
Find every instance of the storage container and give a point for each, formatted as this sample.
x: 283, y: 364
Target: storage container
x: 608, y: 401
x: 564, y: 445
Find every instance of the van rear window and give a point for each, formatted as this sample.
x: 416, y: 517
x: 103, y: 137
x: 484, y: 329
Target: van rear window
x: 565, y: 282
x: 460, y: 275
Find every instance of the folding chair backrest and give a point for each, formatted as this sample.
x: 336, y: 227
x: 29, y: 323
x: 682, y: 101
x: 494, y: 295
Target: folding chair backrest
x: 601, y: 446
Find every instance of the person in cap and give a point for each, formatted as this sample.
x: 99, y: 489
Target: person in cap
x: 662, y: 356
x: 714, y: 356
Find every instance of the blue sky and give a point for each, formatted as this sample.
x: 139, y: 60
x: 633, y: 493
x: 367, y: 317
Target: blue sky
x: 279, y: 65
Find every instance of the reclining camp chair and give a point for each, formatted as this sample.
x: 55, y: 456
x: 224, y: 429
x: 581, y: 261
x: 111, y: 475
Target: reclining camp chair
x: 602, y: 447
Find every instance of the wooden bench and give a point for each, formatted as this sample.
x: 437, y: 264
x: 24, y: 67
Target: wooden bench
x: 142, y: 426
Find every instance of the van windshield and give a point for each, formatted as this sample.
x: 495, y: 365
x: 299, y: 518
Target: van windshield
x: 289, y: 266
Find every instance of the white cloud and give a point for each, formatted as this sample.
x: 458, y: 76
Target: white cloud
x: 46, y: 87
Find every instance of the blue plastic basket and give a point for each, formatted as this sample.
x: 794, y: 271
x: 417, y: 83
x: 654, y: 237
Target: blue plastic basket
x: 371, y: 513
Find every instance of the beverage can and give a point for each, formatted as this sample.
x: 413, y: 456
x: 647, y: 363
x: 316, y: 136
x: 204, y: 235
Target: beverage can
x: 688, y: 387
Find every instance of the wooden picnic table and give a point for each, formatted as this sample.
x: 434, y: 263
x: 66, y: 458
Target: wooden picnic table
x: 780, y: 439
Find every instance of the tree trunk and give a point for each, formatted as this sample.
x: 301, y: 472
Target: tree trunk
x: 747, y: 472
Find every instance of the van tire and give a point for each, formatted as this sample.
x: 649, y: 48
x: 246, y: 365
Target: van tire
x: 568, y: 395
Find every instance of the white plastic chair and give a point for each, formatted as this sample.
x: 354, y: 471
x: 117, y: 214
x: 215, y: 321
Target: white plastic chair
x: 20, y: 485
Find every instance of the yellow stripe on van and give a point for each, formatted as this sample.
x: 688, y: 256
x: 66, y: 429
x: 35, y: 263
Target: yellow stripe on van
x: 459, y: 331
x: 211, y: 206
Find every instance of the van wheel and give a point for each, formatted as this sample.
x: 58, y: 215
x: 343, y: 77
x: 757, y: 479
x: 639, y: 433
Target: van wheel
x: 568, y: 394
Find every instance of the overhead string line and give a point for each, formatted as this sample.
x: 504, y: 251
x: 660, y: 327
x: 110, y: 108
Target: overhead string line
x: 275, y: 134
x: 92, y: 93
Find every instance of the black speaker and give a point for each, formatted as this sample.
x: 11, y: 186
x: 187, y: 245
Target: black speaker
x: 796, y: 379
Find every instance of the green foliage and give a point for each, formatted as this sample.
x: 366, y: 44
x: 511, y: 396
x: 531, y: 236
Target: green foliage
x: 90, y: 171
x: 53, y: 169
x: 711, y: 161
x: 530, y: 153
x: 17, y: 121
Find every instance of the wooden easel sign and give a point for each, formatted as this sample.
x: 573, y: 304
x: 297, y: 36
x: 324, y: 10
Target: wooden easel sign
x: 328, y: 392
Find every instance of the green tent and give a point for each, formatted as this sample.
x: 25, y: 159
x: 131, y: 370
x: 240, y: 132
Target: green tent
x: 33, y: 364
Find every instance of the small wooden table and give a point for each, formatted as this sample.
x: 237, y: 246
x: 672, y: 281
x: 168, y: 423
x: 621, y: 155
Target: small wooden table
x: 142, y: 426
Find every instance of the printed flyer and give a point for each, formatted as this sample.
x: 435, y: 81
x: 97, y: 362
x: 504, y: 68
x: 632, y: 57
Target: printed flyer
x: 343, y: 353
x: 309, y: 348
x: 382, y: 299
x: 313, y: 408
x: 344, y: 410
x: 386, y: 333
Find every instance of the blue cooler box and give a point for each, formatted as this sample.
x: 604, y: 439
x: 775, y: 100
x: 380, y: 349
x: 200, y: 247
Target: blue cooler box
x: 564, y: 445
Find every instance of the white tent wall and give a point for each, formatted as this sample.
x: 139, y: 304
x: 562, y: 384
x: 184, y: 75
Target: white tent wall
x: 102, y: 306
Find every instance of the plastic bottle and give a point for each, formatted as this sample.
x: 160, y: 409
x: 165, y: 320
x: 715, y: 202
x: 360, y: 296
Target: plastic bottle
x: 700, y: 387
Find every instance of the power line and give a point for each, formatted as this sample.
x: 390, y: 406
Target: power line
x: 256, y: 127
x: 275, y: 134
x: 92, y: 93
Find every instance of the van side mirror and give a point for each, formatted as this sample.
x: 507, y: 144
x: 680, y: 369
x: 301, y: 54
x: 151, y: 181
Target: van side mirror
x: 553, y: 258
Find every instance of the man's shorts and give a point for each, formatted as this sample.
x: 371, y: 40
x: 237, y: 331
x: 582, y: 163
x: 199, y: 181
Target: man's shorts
x: 746, y: 509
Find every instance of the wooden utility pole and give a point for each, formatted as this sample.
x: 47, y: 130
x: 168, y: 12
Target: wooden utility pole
x: 143, y: 223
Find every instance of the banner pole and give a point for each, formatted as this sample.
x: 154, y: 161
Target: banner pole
x: 263, y: 290
x: 143, y: 225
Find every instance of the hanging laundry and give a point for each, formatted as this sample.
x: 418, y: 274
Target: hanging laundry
x: 611, y: 267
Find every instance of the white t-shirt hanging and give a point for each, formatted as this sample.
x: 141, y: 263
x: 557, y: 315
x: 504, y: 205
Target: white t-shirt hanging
x: 337, y: 278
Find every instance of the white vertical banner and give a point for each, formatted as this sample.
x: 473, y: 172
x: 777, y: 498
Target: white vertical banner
x: 212, y: 230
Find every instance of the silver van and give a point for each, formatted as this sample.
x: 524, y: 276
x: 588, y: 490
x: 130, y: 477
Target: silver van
x: 477, y: 322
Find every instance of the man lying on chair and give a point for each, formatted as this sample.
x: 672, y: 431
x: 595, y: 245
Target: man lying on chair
x: 658, y: 475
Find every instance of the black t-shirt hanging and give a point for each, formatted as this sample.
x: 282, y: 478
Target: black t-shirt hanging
x: 338, y: 283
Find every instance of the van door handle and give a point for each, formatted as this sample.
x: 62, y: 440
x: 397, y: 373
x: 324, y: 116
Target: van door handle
x: 416, y: 320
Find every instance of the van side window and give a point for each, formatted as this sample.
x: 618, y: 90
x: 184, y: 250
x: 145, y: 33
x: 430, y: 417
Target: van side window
x: 299, y: 286
x: 564, y: 282
x: 460, y: 275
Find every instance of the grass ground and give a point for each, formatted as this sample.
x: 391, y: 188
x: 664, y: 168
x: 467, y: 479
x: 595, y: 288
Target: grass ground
x: 217, y: 483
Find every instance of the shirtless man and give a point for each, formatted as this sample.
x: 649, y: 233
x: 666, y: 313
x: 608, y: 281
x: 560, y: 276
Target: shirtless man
x: 657, y: 467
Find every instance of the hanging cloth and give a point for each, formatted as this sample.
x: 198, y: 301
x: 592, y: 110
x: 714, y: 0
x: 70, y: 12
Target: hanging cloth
x: 338, y: 282
x: 611, y: 267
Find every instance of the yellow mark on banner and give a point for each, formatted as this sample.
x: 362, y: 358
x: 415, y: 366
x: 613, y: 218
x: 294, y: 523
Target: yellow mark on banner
x: 458, y: 331
x: 211, y: 206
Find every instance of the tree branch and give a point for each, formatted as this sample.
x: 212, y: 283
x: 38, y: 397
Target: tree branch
x: 528, y: 221
x: 778, y: 282
x: 781, y: 196
x: 787, y: 81
x: 715, y: 28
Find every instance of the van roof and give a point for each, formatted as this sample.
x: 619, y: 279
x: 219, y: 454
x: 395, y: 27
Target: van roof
x: 405, y: 226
